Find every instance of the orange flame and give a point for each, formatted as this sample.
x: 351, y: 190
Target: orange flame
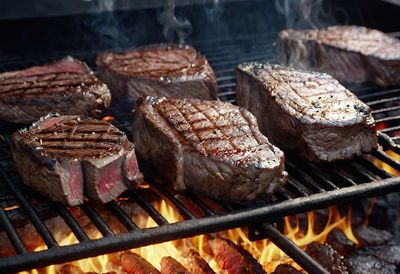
x: 108, y: 118
x: 385, y: 166
x: 264, y: 251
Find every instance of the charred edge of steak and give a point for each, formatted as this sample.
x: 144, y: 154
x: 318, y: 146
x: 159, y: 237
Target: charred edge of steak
x: 171, y: 266
x: 59, y: 156
x: 235, y: 259
x: 67, y: 86
x: 286, y: 269
x: 198, y: 265
x: 134, y: 264
x: 169, y: 70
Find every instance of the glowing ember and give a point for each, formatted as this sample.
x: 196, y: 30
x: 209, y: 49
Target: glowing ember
x: 108, y: 118
x: 264, y: 251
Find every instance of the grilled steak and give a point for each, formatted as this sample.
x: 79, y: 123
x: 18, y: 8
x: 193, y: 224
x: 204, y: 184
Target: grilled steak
x: 349, y: 53
x: 171, y: 266
x: 62, y: 157
x: 67, y: 87
x: 197, y: 265
x: 329, y: 258
x: 305, y: 112
x: 212, y: 147
x: 234, y: 259
x: 169, y: 70
x: 286, y: 269
x: 134, y: 264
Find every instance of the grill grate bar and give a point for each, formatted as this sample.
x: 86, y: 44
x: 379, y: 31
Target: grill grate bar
x: 72, y: 223
x: 201, y: 205
x: 373, y: 168
x: 100, y: 224
x: 378, y: 94
x: 387, y: 119
x: 11, y: 233
x: 376, y: 111
x: 122, y: 216
x: 302, y: 177
x: 153, y: 213
x: 379, y: 154
x: 30, y: 211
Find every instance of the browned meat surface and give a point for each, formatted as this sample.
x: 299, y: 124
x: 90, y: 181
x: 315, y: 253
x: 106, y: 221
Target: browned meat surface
x: 212, y: 147
x: 340, y: 242
x: 134, y: 264
x: 64, y: 156
x: 70, y: 269
x: 173, y: 71
x: 327, y: 257
x: 349, y: 53
x: 197, y: 265
x: 66, y: 87
x: 171, y: 266
x: 370, y: 236
x: 307, y: 113
x: 234, y: 259
x: 361, y: 264
x: 286, y: 269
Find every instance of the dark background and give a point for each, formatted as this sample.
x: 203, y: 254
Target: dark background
x: 25, y: 35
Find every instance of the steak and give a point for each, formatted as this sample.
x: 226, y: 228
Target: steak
x: 234, y: 259
x: 327, y: 257
x: 211, y: 147
x: 197, y: 265
x: 171, y: 266
x: 63, y: 157
x: 169, y: 70
x: 349, y: 53
x: 307, y: 113
x: 134, y: 264
x: 67, y: 87
x: 286, y: 269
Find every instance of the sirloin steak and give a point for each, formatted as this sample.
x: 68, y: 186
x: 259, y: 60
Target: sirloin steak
x: 211, y: 147
x: 349, y: 53
x: 63, y: 157
x: 67, y: 86
x: 169, y: 70
x: 308, y: 113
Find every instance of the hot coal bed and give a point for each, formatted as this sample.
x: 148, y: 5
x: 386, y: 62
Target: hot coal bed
x: 310, y: 186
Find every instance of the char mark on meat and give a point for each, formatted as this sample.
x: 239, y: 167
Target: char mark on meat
x: 211, y: 147
x: 306, y: 113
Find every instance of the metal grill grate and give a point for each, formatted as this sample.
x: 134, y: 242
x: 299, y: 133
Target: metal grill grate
x: 309, y: 186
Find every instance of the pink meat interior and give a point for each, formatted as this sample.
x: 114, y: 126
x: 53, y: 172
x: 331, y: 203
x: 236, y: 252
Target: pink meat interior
x: 109, y: 176
x: 76, y: 181
x: 132, y: 166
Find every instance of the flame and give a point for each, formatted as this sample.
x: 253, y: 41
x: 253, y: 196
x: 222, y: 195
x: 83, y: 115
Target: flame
x: 108, y: 118
x: 267, y: 253
x: 385, y: 166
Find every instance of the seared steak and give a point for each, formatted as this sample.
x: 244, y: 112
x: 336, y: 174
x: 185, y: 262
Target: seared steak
x: 169, y: 70
x: 66, y: 87
x: 349, y: 53
x: 134, y: 264
x: 234, y: 259
x: 212, y: 147
x: 197, y: 265
x: 171, y: 266
x: 62, y: 157
x: 308, y: 113
x: 327, y: 257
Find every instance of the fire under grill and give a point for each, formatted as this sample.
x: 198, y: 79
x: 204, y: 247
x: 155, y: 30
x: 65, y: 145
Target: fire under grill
x: 309, y: 186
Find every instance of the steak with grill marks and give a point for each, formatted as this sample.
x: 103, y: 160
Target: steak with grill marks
x: 211, y: 147
x: 63, y: 157
x: 169, y: 70
x: 66, y: 87
x: 349, y: 53
x: 308, y: 113
x: 171, y: 266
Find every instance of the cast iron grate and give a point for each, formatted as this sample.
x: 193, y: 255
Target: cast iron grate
x: 309, y: 186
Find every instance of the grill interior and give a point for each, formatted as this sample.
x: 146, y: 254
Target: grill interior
x: 309, y: 186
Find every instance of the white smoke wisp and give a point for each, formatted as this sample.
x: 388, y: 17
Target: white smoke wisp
x: 173, y: 27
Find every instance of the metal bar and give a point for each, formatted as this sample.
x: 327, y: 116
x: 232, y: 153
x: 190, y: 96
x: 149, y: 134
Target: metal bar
x: 381, y: 101
x: 389, y: 129
x: 379, y: 93
x: 122, y: 216
x: 293, y: 251
x: 386, y: 119
x: 375, y: 111
x: 153, y: 213
x: 301, y: 177
x: 203, y: 207
x: 380, y: 172
x: 292, y: 187
x: 11, y: 233
x: 97, y: 220
x: 72, y: 223
x: 379, y: 154
x: 30, y: 211
x: 194, y: 227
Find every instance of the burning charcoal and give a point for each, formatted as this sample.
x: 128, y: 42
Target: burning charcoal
x: 327, y: 257
x: 361, y: 264
x: 340, y: 242
x: 235, y: 259
x: 198, y: 265
x: 134, y: 264
x: 171, y: 266
x: 369, y: 236
x: 286, y: 269
x: 387, y: 253
x: 71, y: 269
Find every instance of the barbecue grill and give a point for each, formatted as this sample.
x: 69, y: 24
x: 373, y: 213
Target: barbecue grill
x: 309, y: 187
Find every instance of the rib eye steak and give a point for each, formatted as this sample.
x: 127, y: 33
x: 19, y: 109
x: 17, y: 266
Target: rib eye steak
x: 63, y: 157
x: 67, y: 86
x: 308, y: 113
x: 349, y: 53
x: 211, y: 147
x: 169, y: 70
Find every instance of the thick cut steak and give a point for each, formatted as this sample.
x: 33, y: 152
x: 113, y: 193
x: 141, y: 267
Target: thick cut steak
x: 349, y: 53
x: 67, y: 87
x: 308, y: 113
x: 66, y: 156
x: 211, y: 147
x: 169, y: 70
